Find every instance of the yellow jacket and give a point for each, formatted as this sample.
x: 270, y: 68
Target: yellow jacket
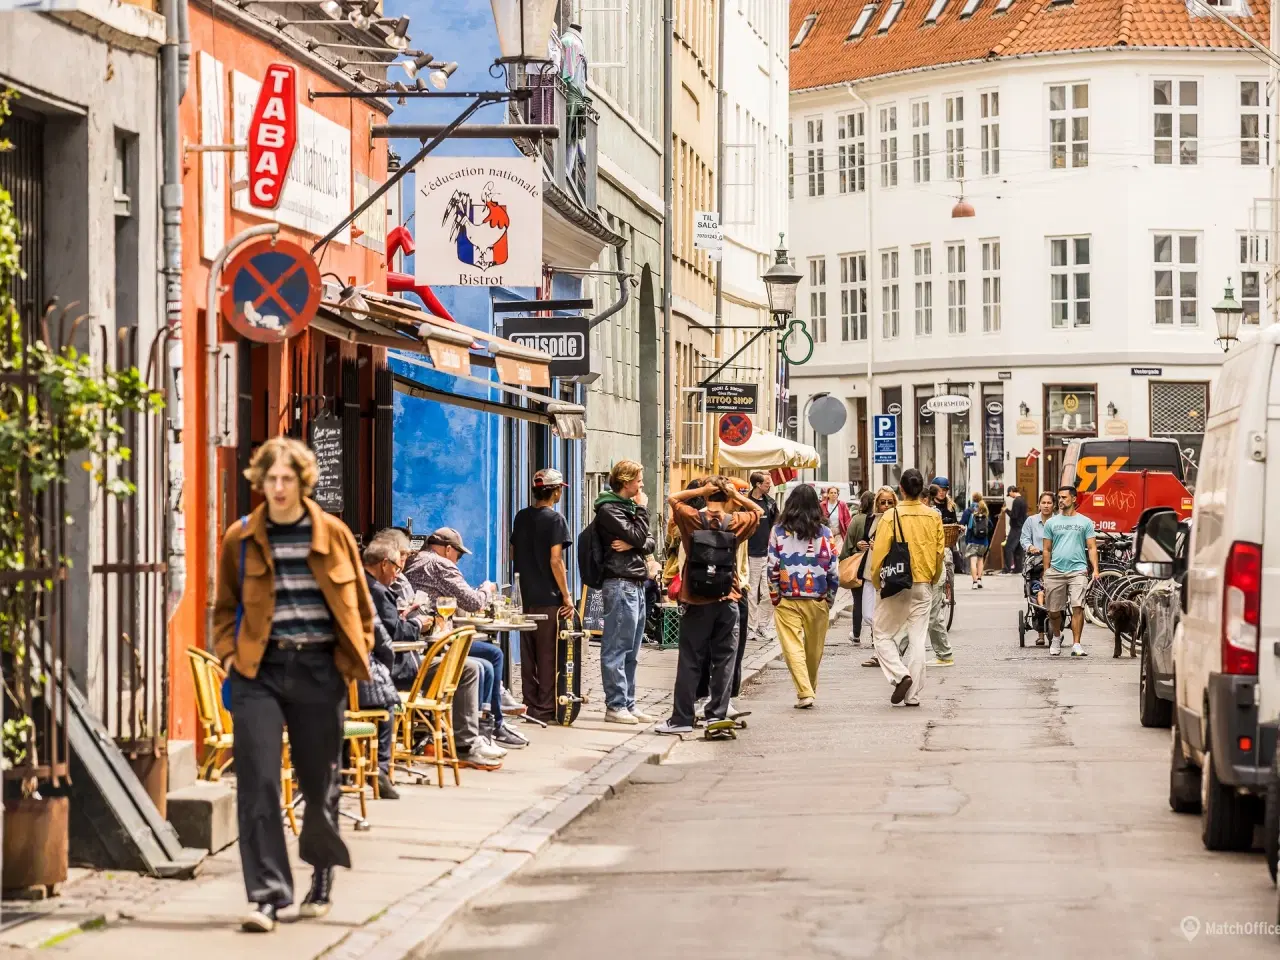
x: 922, y: 530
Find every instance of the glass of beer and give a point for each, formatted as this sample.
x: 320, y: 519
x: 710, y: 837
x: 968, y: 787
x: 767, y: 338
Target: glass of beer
x: 446, y: 606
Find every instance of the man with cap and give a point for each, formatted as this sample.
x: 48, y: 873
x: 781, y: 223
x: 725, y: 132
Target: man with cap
x: 539, y: 540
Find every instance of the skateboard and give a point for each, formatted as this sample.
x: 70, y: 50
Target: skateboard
x: 740, y: 721
x: 721, y: 730
x: 569, y: 698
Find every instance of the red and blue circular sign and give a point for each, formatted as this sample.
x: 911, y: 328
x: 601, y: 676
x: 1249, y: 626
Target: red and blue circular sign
x: 272, y: 291
x: 735, y: 429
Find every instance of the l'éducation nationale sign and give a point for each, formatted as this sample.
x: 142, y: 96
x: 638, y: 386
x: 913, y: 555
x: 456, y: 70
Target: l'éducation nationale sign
x: 478, y: 222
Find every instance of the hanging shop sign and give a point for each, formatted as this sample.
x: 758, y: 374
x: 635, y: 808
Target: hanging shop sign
x: 567, y: 339
x: 316, y: 192
x: 213, y: 165
x: 951, y: 403
x: 449, y: 357
x: 273, y: 135
x: 521, y: 373
x: 478, y: 222
x: 707, y: 234
x: 272, y: 290
x: 326, y: 443
x: 733, y: 397
x: 734, y: 429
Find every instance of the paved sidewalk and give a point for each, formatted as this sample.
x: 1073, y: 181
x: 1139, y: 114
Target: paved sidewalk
x: 426, y: 857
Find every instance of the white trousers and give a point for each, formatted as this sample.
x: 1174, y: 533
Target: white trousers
x: 906, y: 611
x: 759, y: 609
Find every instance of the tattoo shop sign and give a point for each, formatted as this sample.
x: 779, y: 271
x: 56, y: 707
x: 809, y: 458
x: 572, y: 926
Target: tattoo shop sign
x: 478, y: 222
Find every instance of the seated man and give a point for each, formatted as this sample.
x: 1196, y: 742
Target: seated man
x: 382, y: 560
x: 434, y: 571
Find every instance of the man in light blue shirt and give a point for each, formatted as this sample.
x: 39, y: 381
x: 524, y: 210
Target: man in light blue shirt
x: 1070, y: 549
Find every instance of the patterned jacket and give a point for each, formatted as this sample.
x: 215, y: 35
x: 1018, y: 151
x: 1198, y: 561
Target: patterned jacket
x: 802, y: 569
x: 438, y: 576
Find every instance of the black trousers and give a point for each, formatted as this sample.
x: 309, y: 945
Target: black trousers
x: 1018, y: 556
x: 857, y: 613
x: 708, y: 639
x: 538, y: 665
x: 704, y: 682
x: 304, y: 691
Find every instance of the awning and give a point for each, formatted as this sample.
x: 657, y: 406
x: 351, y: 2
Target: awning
x: 767, y: 451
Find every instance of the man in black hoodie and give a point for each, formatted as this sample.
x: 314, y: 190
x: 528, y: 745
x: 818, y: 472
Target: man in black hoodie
x: 1014, y: 520
x: 622, y: 521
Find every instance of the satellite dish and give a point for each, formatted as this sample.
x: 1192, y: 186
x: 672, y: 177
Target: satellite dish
x: 827, y: 415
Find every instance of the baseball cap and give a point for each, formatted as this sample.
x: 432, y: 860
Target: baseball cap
x: 449, y: 537
x: 549, y: 477
x: 942, y: 482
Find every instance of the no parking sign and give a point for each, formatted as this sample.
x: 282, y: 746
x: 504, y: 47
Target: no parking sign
x: 272, y: 291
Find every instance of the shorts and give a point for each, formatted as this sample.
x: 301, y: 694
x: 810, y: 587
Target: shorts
x: 972, y: 550
x: 1060, y: 587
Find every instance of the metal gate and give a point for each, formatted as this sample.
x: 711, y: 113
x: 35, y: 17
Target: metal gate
x: 1179, y: 410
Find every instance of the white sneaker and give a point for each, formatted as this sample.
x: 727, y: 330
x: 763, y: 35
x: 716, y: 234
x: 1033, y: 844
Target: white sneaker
x: 1055, y: 647
x: 666, y: 726
x: 700, y: 709
x: 487, y: 748
x: 620, y: 716
x: 510, y: 704
x: 642, y: 717
x: 1077, y: 650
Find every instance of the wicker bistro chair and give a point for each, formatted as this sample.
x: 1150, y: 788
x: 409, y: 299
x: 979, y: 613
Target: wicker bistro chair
x: 362, y: 734
x: 429, y: 703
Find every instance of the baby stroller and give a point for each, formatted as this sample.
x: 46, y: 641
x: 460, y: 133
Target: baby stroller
x: 1035, y: 617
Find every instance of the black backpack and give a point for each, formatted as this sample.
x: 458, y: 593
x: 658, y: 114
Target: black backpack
x: 591, y: 557
x: 979, y: 527
x: 712, y: 560
x: 895, y: 571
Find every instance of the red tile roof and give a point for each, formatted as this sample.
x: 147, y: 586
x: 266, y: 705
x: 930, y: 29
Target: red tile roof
x: 1028, y: 26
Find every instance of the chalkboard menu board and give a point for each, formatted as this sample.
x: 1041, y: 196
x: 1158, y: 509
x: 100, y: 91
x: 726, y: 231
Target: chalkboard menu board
x: 592, y: 611
x: 326, y: 442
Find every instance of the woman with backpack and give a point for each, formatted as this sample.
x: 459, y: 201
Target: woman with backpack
x: 802, y: 587
x: 977, y: 537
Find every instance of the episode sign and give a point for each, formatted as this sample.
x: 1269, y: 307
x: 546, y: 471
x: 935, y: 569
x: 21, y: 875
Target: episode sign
x: 273, y: 135
x: 885, y: 439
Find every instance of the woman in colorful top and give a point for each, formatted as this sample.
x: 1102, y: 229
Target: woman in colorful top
x: 802, y: 586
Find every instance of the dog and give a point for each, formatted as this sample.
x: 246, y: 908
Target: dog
x: 1125, y: 617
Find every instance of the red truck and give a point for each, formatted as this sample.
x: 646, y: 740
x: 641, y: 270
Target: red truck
x: 1118, y: 477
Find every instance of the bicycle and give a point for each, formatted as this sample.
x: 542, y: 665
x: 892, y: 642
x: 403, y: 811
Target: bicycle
x: 952, y: 531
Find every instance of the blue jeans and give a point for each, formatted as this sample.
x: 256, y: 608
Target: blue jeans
x: 491, y: 660
x: 620, y: 644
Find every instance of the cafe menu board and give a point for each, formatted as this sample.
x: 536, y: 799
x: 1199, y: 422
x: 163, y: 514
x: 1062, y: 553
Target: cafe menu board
x: 592, y: 608
x: 326, y: 442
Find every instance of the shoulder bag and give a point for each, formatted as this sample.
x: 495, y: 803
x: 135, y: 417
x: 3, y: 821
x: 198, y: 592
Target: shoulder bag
x: 895, y: 572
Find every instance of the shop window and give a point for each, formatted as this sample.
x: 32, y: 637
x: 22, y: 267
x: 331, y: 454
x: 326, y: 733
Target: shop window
x: 1179, y: 411
x: 993, y: 438
x: 1072, y: 410
x: 926, y: 434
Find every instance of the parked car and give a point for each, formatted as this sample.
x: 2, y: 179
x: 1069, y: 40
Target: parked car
x: 1226, y: 666
x: 1161, y: 619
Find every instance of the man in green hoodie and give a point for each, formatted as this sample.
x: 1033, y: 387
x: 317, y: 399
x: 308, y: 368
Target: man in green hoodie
x: 622, y: 519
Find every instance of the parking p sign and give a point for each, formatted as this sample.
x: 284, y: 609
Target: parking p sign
x: 885, y: 439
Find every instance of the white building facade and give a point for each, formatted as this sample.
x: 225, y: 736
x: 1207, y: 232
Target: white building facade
x: 1113, y: 190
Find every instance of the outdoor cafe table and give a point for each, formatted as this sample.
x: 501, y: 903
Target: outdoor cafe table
x: 502, y: 630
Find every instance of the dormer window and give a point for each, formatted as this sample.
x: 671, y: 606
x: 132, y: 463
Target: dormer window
x: 860, y: 25
x: 969, y: 7
x: 1003, y: 5
x: 890, y: 15
x: 935, y: 11
x: 803, y: 32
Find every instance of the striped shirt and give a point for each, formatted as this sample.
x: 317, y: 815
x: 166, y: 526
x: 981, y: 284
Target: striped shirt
x: 302, y: 616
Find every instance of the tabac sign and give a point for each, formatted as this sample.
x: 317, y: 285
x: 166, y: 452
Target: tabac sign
x: 273, y: 135
x: 478, y: 222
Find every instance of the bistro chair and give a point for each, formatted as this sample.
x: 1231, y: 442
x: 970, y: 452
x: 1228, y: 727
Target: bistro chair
x: 357, y: 734
x: 429, y: 703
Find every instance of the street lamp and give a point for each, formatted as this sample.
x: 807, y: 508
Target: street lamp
x: 780, y: 283
x: 524, y: 27
x: 1228, y: 314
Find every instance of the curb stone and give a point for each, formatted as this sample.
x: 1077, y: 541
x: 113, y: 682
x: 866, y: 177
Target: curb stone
x: 411, y: 926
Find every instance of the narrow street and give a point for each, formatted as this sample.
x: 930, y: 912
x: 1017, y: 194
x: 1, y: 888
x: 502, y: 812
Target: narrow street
x: 1021, y: 812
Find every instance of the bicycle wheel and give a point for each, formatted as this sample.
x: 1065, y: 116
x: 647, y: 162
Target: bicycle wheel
x: 951, y: 599
x: 1097, y: 597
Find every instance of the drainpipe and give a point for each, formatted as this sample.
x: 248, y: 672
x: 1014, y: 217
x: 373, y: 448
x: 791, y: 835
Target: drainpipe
x: 668, y: 238
x: 871, y: 293
x: 211, y: 415
x: 184, y: 50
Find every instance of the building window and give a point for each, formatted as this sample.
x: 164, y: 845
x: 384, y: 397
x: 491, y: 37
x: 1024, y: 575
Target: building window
x: 953, y: 116
x: 1176, y: 119
x: 1255, y: 123
x: 957, y: 295
x: 990, y: 286
x: 818, y: 299
x: 815, y: 158
x: 851, y: 133
x: 993, y: 438
x: 889, y: 294
x: 860, y: 24
x: 1255, y: 250
x: 1069, y: 259
x: 1068, y: 125
x: 968, y: 9
x: 920, y: 141
x: 935, y: 11
x: 890, y: 16
x: 922, y: 259
x: 805, y: 26
x: 791, y: 161
x: 989, y: 131
x: 889, y: 146
x: 1177, y: 278
x: 853, y: 296
x: 926, y: 433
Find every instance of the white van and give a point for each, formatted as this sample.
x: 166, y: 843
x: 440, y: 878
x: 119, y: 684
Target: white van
x: 1226, y: 656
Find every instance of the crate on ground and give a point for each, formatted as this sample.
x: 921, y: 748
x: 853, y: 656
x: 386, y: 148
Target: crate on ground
x: 668, y: 625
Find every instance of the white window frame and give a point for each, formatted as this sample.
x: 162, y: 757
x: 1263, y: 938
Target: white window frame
x: 957, y: 289
x: 861, y: 22
x: 921, y: 118
x: 1260, y: 114
x: 922, y: 270
x: 888, y: 126
x: 1183, y: 147
x: 1003, y: 5
x: 989, y: 131
x: 791, y: 161
x: 890, y: 15
x: 693, y: 423
x: 818, y: 299
x: 1070, y: 150
x: 802, y: 33
x: 815, y: 159
x: 1070, y: 269
x: 990, y: 285
x: 606, y: 28
x: 968, y: 9
x: 855, y: 295
x: 953, y: 125
x: 1255, y: 250
x: 890, y: 312
x: 1178, y: 276
x: 935, y: 11
x: 851, y: 151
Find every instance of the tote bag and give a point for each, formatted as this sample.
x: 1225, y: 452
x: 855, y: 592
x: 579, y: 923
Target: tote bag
x: 895, y: 572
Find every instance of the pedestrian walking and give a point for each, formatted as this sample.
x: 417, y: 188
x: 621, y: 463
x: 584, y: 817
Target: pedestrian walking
x: 539, y: 539
x: 802, y: 587
x: 885, y: 499
x: 1017, y: 516
x: 622, y: 519
x: 293, y: 624
x: 836, y: 514
x: 759, y: 609
x: 1031, y: 543
x: 939, y: 636
x: 858, y: 541
x: 1070, y: 548
x: 709, y: 594
x: 977, y: 537
x: 905, y: 578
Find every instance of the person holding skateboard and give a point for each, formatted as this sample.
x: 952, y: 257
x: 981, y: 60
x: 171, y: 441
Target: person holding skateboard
x: 709, y: 595
x: 539, y: 539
